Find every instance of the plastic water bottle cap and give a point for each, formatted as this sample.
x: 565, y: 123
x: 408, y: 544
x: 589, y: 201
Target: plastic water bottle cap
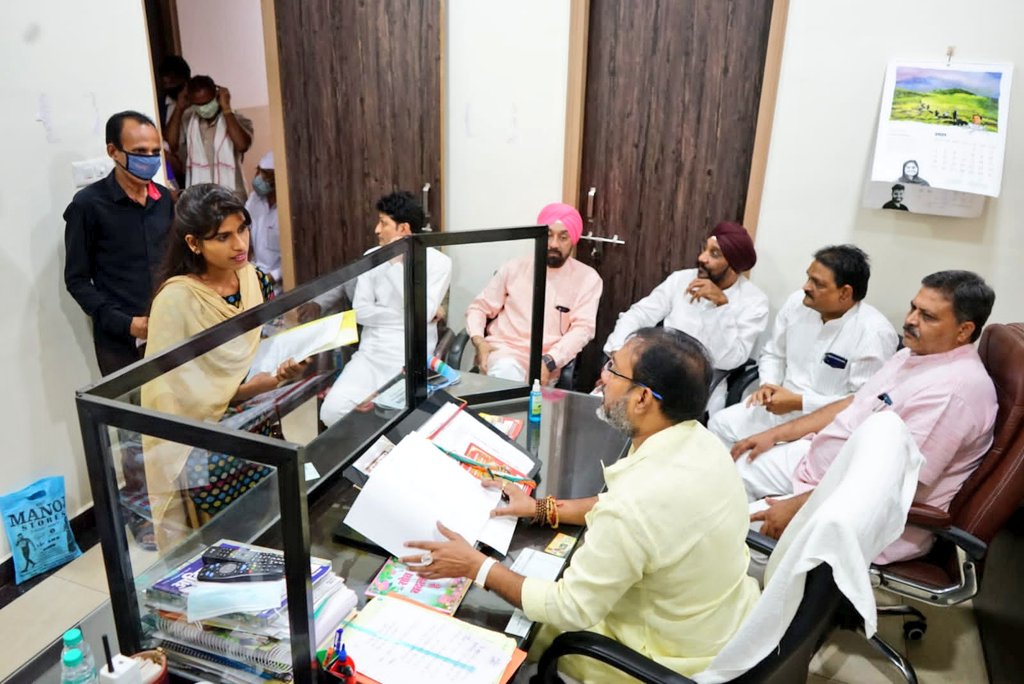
x: 536, y: 385
x: 72, y: 637
x: 72, y: 658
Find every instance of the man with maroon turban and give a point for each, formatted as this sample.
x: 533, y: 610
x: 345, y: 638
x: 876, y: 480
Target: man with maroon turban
x: 570, y: 306
x: 713, y: 302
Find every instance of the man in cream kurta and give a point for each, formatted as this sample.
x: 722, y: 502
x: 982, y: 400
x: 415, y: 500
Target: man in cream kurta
x: 825, y: 344
x: 662, y: 568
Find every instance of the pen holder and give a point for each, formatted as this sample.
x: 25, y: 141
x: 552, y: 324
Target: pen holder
x: 157, y: 657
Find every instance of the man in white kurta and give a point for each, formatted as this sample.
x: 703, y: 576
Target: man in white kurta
x: 379, y: 303
x: 825, y: 344
x: 714, y: 303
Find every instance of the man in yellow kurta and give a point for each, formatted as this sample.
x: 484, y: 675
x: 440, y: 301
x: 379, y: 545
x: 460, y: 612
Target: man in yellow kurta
x: 663, y: 566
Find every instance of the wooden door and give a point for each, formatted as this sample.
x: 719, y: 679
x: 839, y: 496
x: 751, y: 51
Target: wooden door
x: 672, y: 95
x: 361, y: 98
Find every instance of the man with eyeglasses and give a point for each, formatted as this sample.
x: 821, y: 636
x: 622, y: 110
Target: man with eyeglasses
x: 572, y: 294
x: 714, y: 302
x: 663, y: 565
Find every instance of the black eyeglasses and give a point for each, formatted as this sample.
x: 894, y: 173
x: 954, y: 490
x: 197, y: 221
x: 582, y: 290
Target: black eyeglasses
x: 608, y: 367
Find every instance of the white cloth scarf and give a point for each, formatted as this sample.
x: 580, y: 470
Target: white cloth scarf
x: 858, y: 509
x: 200, y: 169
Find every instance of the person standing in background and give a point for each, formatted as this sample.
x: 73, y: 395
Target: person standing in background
x: 114, y: 235
x: 114, y: 238
x: 262, y: 208
x: 215, y: 137
x: 172, y: 77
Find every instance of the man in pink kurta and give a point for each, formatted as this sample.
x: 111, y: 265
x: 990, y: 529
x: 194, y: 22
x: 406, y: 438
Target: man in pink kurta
x: 937, y: 385
x: 573, y: 291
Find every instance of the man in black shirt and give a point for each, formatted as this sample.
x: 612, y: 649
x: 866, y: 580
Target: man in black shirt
x: 115, y: 236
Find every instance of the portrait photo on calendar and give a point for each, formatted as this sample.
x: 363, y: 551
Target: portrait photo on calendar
x: 943, y: 126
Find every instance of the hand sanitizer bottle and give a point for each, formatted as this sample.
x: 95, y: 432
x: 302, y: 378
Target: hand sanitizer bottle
x: 535, y: 402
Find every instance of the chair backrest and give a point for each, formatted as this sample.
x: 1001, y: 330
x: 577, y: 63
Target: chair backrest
x: 814, y: 619
x: 995, y: 490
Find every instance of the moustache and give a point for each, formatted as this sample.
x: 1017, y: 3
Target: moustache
x: 911, y: 331
x: 808, y: 295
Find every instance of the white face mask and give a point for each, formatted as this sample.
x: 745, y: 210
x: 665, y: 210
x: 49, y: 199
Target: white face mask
x: 208, y: 110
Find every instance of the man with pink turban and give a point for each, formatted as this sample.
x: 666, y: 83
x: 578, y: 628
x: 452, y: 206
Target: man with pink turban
x: 713, y: 302
x: 570, y: 306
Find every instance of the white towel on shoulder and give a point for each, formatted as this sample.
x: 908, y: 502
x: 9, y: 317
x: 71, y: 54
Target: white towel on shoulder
x: 201, y: 169
x: 859, y: 508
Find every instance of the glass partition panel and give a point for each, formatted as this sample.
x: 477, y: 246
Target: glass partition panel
x: 216, y: 437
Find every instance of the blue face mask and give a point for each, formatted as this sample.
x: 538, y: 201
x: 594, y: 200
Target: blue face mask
x: 142, y: 166
x: 262, y: 186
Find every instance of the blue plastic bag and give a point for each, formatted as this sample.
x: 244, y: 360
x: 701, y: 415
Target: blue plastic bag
x: 38, y: 530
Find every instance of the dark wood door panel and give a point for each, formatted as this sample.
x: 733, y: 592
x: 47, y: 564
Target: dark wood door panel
x: 360, y: 84
x: 672, y: 96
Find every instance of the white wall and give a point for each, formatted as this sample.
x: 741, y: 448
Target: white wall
x: 507, y: 75
x: 69, y: 66
x: 823, y: 136
x: 224, y: 40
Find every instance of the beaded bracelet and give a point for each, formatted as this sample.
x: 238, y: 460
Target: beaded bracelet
x: 547, y: 512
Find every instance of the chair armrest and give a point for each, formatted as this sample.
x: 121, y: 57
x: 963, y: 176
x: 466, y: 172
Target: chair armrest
x: 608, y: 651
x: 939, y: 523
x: 738, y: 380
x: 454, y: 357
x: 760, y: 542
x: 923, y: 515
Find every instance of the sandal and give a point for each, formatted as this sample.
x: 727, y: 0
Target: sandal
x: 143, y: 531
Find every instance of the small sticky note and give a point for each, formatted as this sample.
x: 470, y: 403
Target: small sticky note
x: 311, y: 472
x: 560, y: 545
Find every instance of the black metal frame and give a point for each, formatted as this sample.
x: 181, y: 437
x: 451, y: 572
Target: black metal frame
x: 99, y: 407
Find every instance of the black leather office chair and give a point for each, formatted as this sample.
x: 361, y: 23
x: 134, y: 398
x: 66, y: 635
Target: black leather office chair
x: 566, y: 380
x: 814, y: 620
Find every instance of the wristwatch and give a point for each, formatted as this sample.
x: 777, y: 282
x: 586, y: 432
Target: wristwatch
x: 549, y: 362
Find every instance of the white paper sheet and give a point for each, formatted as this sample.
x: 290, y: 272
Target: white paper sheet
x: 498, y: 532
x: 303, y: 341
x: 532, y: 563
x: 397, y: 642
x: 411, y: 490
x: 464, y: 430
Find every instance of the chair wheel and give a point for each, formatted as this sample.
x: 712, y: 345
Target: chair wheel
x: 914, y: 630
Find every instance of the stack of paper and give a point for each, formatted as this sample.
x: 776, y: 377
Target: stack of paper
x: 459, y: 432
x: 303, y: 341
x: 412, y: 490
x: 394, y: 641
x: 239, y: 640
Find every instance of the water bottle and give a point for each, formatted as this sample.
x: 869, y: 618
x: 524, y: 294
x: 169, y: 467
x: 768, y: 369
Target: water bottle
x: 73, y: 639
x: 74, y: 669
x: 535, y: 402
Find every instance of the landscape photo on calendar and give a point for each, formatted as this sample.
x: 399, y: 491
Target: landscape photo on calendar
x: 947, y: 97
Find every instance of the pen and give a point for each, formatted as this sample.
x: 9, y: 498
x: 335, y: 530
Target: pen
x: 443, y: 425
x: 504, y: 475
x: 885, y: 401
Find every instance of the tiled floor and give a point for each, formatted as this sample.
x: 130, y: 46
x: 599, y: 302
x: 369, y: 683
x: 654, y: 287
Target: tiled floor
x: 950, y: 652
x: 36, y: 619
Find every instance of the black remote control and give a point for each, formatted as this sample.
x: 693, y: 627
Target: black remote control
x: 222, y: 564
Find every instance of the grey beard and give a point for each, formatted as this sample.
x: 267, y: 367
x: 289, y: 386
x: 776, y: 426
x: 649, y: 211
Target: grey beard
x: 616, y: 417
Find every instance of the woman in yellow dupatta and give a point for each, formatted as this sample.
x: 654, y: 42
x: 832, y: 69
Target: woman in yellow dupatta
x: 208, y: 279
